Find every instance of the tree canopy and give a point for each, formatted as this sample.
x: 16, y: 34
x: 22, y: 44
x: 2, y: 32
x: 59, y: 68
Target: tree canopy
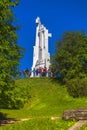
x: 70, y: 58
x: 10, y: 52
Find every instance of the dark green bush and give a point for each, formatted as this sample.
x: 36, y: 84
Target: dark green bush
x: 77, y: 87
x: 18, y: 103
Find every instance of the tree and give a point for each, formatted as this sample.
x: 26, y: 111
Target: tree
x: 70, y: 58
x: 10, y: 53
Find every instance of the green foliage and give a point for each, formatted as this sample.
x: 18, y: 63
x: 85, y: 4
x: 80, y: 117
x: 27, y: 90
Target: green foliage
x: 48, y: 99
x: 22, y: 95
x: 15, y: 97
x: 70, y: 58
x: 77, y: 87
x: 10, y: 52
x: 42, y: 97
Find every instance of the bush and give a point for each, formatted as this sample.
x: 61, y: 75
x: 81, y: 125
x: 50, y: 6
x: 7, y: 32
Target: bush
x: 77, y: 87
x: 15, y: 98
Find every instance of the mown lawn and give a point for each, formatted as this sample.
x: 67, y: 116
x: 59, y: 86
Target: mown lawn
x: 48, y: 99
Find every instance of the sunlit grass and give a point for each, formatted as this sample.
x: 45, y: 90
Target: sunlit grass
x: 40, y: 124
x: 48, y: 99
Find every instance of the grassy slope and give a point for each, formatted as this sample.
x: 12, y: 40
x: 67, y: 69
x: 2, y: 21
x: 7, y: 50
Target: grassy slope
x: 40, y: 124
x: 49, y: 98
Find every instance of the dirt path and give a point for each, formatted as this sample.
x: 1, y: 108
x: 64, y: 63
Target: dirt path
x: 12, y: 121
x: 78, y: 125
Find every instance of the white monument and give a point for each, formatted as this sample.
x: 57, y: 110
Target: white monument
x: 41, y: 55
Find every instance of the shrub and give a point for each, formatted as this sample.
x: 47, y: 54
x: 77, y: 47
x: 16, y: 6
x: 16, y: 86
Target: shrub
x: 77, y: 87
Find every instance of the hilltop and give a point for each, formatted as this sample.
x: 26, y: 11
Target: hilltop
x: 47, y: 98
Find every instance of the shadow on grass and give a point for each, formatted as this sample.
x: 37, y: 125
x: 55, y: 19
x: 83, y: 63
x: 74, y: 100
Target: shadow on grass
x: 4, y: 120
x: 3, y: 116
x: 57, y: 80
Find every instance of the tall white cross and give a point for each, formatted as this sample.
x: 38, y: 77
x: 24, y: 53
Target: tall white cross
x: 41, y: 55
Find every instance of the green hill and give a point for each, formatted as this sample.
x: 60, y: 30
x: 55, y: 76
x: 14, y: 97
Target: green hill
x: 48, y: 99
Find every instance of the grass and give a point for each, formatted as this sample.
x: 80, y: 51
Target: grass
x: 48, y: 99
x: 40, y: 124
x: 84, y: 127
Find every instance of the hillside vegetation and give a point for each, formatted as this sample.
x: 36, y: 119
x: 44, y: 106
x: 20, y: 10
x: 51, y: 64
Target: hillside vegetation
x: 47, y: 99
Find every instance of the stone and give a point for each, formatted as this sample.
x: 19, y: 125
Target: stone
x: 78, y: 114
x: 41, y: 55
x: 68, y: 114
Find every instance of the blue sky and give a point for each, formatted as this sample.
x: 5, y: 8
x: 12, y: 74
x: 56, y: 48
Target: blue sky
x: 57, y: 15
